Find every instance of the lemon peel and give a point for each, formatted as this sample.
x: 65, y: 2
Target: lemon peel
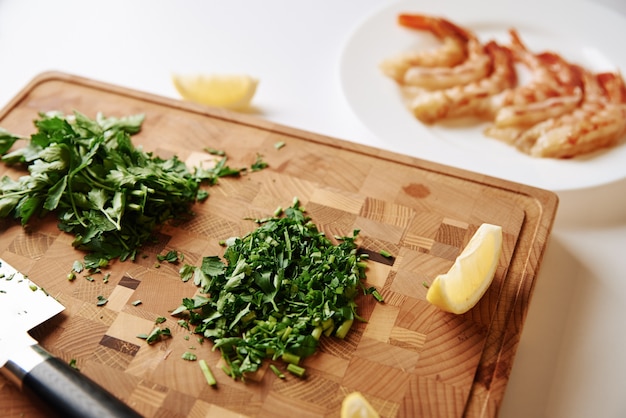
x: 232, y: 91
x: 460, y: 289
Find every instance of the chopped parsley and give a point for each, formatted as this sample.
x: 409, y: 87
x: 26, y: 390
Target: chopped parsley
x: 157, y: 334
x: 101, y: 301
x: 189, y: 356
x: 281, y: 288
x: 171, y: 257
x: 259, y: 163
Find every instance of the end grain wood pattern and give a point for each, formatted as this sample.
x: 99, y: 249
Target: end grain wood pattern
x: 409, y: 359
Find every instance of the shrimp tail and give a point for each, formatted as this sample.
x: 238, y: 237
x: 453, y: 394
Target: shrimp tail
x: 452, y: 51
x: 613, y: 85
x: 438, y: 26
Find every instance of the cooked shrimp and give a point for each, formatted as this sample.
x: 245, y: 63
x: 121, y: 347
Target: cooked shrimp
x: 533, y: 103
x: 600, y: 121
x: 453, y: 49
x: 471, y: 99
x: 476, y: 66
x: 555, y: 89
x: 508, y: 134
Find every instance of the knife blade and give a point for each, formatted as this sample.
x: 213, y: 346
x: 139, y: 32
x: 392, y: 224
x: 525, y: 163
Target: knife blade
x: 24, y: 305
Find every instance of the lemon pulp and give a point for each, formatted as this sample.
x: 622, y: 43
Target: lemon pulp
x: 234, y: 91
x: 470, y: 276
x: 356, y: 406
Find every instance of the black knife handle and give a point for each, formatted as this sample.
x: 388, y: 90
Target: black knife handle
x: 69, y: 392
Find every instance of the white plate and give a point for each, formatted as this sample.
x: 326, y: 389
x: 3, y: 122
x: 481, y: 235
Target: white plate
x: 582, y: 32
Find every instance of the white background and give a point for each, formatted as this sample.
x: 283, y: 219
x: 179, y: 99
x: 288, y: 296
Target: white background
x: 571, y: 361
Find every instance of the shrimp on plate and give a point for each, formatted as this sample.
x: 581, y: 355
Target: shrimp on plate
x: 475, y: 67
x: 452, y: 51
x: 598, y: 122
x: 555, y: 88
x: 473, y: 99
x: 563, y: 111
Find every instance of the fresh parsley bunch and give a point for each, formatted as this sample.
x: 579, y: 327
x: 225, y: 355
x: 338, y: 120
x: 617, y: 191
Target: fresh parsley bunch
x: 108, y: 193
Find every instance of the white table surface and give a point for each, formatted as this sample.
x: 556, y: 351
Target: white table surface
x: 571, y: 361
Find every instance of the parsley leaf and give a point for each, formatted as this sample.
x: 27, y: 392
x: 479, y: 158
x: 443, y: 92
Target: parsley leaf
x: 102, y: 300
x: 155, y: 335
x: 6, y: 140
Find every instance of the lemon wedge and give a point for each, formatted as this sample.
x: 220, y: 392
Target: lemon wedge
x: 356, y: 406
x: 468, y: 279
x: 233, y: 91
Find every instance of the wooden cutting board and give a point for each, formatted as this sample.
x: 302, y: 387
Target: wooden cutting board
x: 410, y: 359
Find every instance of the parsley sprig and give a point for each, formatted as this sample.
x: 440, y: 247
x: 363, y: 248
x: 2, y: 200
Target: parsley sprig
x: 283, y: 286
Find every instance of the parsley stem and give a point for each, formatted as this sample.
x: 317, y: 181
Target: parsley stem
x: 93, y: 179
x: 297, y: 370
x: 317, y: 332
x: 86, y: 160
x: 385, y: 253
x: 291, y: 358
x: 277, y: 372
x: 343, y: 329
x: 377, y: 295
x: 208, y: 375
